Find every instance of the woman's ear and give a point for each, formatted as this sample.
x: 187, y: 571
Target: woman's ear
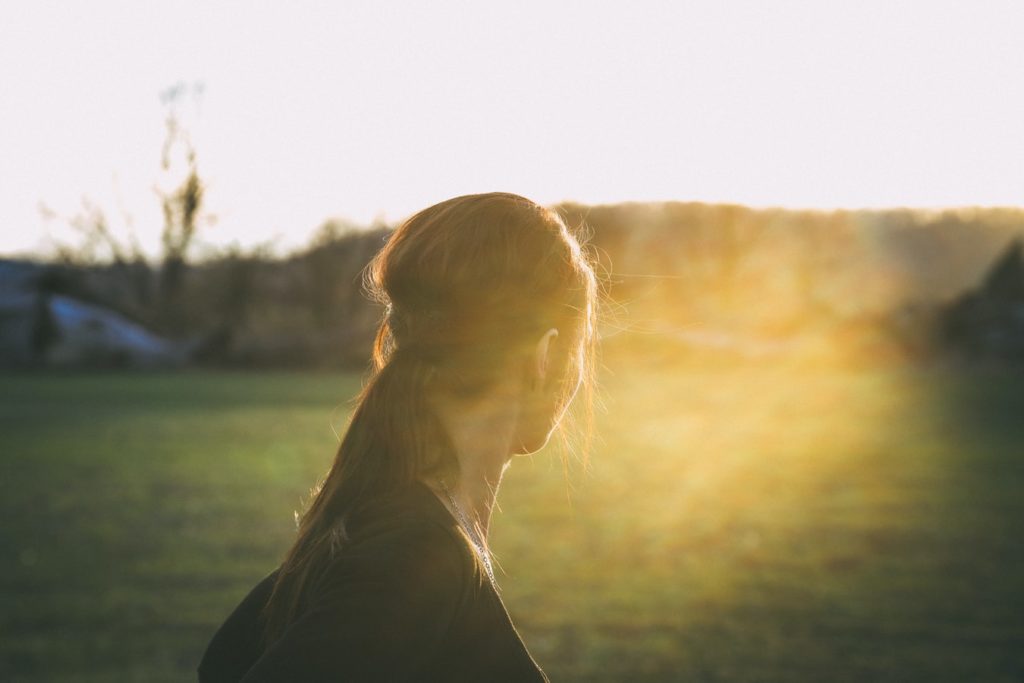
x: 541, y: 356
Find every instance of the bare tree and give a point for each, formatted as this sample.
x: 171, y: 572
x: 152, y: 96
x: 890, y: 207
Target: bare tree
x: 182, y: 206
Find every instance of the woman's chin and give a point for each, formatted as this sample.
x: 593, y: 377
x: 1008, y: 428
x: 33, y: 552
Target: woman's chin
x: 533, y: 445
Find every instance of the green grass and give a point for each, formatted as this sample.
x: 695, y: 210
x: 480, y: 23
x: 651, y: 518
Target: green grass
x: 774, y: 524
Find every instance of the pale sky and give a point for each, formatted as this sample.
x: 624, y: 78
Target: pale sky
x: 377, y: 109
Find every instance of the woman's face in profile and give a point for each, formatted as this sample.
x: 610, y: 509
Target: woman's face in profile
x: 546, y: 406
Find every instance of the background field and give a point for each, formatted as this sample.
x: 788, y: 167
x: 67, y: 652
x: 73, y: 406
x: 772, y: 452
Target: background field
x: 743, y: 524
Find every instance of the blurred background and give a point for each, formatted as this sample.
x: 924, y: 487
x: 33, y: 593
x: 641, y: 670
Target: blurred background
x: 808, y: 454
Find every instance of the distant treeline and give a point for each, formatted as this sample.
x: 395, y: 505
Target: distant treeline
x: 668, y: 267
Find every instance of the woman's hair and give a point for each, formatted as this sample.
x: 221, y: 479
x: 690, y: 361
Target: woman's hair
x: 467, y: 284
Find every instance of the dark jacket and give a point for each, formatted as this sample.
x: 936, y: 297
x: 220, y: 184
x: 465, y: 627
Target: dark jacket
x: 405, y: 599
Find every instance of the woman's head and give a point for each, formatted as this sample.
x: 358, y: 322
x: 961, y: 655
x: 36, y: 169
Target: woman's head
x: 488, y: 297
x: 483, y: 286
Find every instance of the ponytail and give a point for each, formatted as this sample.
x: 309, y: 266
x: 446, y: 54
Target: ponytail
x: 394, y: 437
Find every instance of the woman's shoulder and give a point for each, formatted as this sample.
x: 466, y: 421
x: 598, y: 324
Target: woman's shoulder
x: 406, y: 537
x: 409, y: 517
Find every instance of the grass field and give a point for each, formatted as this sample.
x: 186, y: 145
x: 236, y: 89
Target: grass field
x: 770, y: 524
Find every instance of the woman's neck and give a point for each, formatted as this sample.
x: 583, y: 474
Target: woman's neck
x: 477, y: 490
x: 483, y: 436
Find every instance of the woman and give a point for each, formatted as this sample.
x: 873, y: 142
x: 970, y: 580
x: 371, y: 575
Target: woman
x: 487, y: 338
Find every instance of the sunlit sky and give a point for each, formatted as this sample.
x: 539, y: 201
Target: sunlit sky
x: 373, y: 110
